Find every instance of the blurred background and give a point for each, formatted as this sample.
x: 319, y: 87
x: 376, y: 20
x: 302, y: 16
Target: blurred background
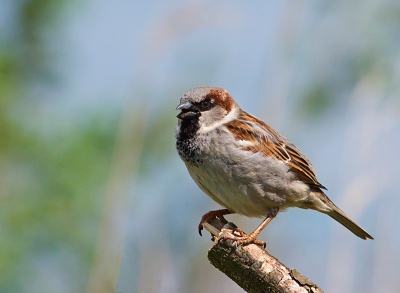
x: 93, y: 195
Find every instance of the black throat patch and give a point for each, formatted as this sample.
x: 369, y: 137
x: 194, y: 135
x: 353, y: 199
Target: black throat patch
x: 186, y: 142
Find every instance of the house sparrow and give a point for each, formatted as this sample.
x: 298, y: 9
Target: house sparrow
x: 246, y: 166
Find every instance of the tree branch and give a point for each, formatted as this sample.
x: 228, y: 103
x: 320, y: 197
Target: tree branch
x: 252, y: 267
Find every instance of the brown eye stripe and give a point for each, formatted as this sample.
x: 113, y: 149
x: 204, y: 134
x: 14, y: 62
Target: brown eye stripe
x: 221, y: 98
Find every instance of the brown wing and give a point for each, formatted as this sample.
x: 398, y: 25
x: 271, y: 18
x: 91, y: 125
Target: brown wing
x: 267, y: 141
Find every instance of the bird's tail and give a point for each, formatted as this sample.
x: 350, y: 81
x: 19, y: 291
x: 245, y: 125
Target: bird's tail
x: 345, y: 220
x: 320, y: 202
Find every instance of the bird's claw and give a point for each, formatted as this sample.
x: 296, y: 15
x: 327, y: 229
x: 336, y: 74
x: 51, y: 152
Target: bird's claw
x: 211, y: 215
x: 243, y: 239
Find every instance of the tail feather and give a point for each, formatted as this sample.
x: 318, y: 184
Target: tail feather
x: 319, y: 201
x: 345, y: 220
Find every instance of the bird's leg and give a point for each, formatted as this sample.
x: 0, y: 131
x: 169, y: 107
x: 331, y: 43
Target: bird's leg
x: 214, y: 214
x: 252, y: 237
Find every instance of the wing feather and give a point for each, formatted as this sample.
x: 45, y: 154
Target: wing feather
x: 263, y: 139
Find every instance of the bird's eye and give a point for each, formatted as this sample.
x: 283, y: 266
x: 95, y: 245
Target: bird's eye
x: 206, y: 104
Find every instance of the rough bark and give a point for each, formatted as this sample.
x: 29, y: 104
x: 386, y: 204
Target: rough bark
x: 252, y: 267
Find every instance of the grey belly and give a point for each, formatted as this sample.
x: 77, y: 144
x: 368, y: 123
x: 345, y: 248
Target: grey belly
x: 249, y: 187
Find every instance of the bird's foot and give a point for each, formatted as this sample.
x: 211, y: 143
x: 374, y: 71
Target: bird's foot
x: 243, y: 239
x: 214, y: 214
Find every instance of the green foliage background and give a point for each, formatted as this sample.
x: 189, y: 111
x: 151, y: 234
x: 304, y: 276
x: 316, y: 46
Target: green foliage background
x: 53, y: 172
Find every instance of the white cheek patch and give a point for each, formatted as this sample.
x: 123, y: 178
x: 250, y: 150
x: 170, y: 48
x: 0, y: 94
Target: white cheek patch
x: 228, y: 118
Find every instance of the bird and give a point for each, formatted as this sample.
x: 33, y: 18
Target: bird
x: 245, y: 166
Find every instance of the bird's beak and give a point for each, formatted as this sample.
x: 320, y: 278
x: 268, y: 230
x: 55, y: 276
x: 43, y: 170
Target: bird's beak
x: 185, y: 105
x: 189, y: 111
